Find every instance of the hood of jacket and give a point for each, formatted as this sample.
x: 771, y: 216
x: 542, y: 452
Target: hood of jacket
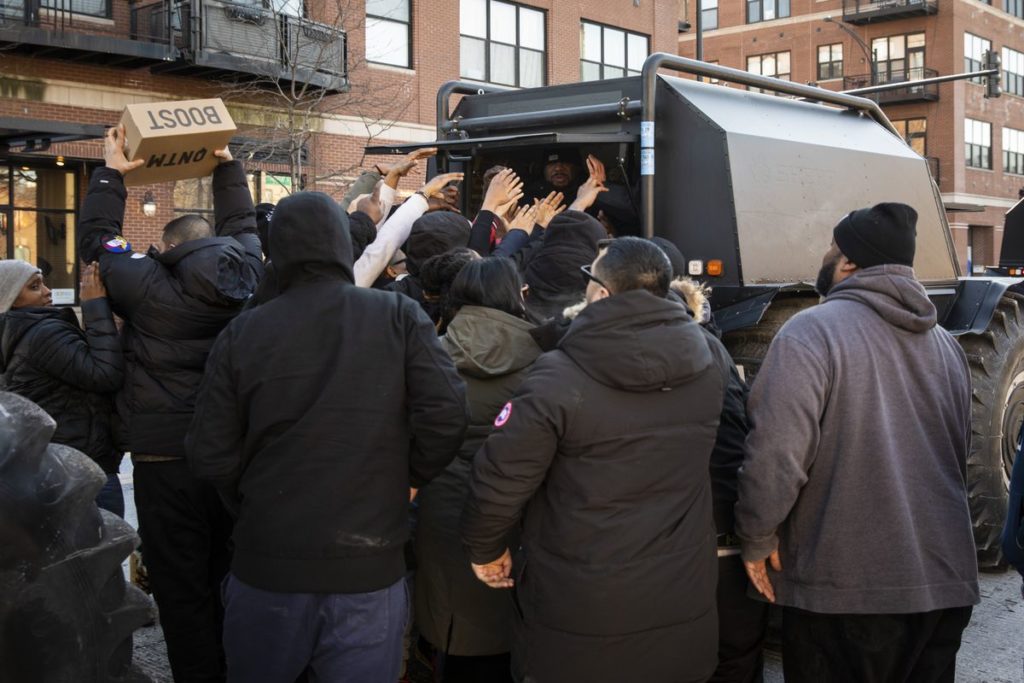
x: 638, y: 342
x: 893, y: 293
x: 212, y: 269
x: 15, y: 323
x: 432, y: 234
x: 569, y: 242
x: 486, y: 342
x: 310, y: 241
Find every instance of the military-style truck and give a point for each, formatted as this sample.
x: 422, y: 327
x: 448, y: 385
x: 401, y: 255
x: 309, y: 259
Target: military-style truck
x: 748, y: 183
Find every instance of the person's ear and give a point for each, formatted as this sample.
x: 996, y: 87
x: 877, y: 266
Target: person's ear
x: 846, y: 266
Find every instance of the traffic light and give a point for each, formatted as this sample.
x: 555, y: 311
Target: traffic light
x: 993, y: 61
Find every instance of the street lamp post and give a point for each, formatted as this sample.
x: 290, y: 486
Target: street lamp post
x: 868, y: 52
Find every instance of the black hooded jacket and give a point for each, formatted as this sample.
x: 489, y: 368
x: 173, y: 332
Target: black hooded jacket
x: 318, y: 411
x: 174, y: 304
x: 553, y: 273
x: 47, y: 358
x: 606, y: 445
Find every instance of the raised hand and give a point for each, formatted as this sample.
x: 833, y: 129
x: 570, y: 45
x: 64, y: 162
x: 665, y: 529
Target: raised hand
x: 223, y: 154
x: 525, y: 218
x: 91, y: 285
x: 435, y: 187
x: 548, y: 208
x: 113, y: 151
x: 395, y: 172
x: 596, y: 169
x: 504, y: 192
x: 587, y: 194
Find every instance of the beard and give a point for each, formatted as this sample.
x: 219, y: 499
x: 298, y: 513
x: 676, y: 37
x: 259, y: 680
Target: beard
x: 826, y: 276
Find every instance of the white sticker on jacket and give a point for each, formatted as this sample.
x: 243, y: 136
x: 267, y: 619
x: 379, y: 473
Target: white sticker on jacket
x: 504, y: 415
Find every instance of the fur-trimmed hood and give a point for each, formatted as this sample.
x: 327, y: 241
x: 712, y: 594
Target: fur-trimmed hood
x: 694, y: 295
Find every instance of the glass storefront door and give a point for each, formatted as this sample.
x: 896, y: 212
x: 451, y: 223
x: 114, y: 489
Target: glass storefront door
x: 37, y: 223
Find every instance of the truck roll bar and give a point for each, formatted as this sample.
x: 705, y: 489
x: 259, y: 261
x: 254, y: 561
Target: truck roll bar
x: 450, y: 88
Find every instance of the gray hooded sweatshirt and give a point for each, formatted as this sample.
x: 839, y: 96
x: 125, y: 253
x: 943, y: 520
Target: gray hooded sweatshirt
x: 855, y: 465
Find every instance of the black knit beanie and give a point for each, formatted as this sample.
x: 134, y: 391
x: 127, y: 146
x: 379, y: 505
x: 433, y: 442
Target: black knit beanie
x: 885, y: 233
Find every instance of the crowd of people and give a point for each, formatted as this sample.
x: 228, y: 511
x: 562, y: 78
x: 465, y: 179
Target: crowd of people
x: 513, y: 447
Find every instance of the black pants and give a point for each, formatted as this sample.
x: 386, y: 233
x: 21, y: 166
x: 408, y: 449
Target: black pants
x: 185, y: 531
x: 742, y: 625
x: 870, y: 648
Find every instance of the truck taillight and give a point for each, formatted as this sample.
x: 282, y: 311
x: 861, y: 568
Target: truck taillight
x: 715, y: 268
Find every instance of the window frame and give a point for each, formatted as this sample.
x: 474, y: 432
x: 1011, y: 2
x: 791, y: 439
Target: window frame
x: 408, y: 38
x: 776, y: 4
x: 1015, y: 8
x: 1013, y: 158
x: 971, y: 64
x: 831, y: 63
x: 705, y: 11
x: 903, y: 125
x: 627, y: 72
x: 1013, y: 81
x: 883, y: 67
x: 57, y: 6
x: 789, y: 74
x: 517, y: 47
x: 986, y: 157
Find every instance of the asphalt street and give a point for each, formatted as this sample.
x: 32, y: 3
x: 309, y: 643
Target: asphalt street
x: 992, y: 649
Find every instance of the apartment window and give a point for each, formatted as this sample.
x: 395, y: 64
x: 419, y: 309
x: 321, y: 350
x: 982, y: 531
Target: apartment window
x: 195, y: 195
x: 978, y: 143
x: 388, y: 31
x: 830, y: 61
x: 92, y: 8
x: 709, y: 15
x: 974, y: 54
x: 1013, y: 151
x: 899, y: 58
x: 607, y: 52
x: 766, y: 10
x: 1015, y: 7
x: 1013, y: 71
x: 915, y: 132
x: 502, y: 43
x: 775, y: 64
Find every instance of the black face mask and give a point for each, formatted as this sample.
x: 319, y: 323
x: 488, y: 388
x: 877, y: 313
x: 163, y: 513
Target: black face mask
x: 824, y: 282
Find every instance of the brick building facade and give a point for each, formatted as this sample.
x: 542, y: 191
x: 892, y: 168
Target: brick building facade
x: 68, y: 68
x: 834, y: 42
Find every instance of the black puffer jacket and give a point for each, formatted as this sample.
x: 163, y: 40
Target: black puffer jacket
x: 318, y: 411
x: 175, y: 304
x: 606, y: 445
x: 47, y: 358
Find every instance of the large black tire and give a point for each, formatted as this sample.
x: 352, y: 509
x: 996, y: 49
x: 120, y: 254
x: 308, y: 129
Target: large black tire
x: 996, y: 358
x: 66, y: 613
x: 749, y: 346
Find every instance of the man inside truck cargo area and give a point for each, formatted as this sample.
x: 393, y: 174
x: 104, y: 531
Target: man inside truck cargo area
x: 852, y: 506
x: 563, y: 172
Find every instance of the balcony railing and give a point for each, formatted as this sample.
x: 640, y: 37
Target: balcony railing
x: 911, y: 93
x: 96, y: 31
x: 870, y: 11
x: 213, y: 38
x: 235, y: 40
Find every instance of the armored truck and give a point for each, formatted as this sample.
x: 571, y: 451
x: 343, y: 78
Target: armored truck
x: 748, y: 182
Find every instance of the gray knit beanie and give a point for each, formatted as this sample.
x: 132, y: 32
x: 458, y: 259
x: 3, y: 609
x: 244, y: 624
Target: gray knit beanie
x: 14, y: 274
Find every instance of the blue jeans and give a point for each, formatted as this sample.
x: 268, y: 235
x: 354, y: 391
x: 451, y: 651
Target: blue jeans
x: 111, y: 496
x: 341, y: 637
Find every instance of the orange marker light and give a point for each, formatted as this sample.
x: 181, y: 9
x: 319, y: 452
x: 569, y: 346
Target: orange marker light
x: 715, y: 268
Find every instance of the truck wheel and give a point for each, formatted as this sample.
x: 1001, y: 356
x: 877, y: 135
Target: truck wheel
x: 66, y: 613
x: 749, y: 346
x: 996, y: 358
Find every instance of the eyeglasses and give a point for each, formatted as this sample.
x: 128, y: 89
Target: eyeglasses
x: 590, y: 276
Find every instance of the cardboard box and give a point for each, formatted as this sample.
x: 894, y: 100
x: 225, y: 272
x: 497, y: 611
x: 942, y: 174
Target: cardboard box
x: 176, y: 139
